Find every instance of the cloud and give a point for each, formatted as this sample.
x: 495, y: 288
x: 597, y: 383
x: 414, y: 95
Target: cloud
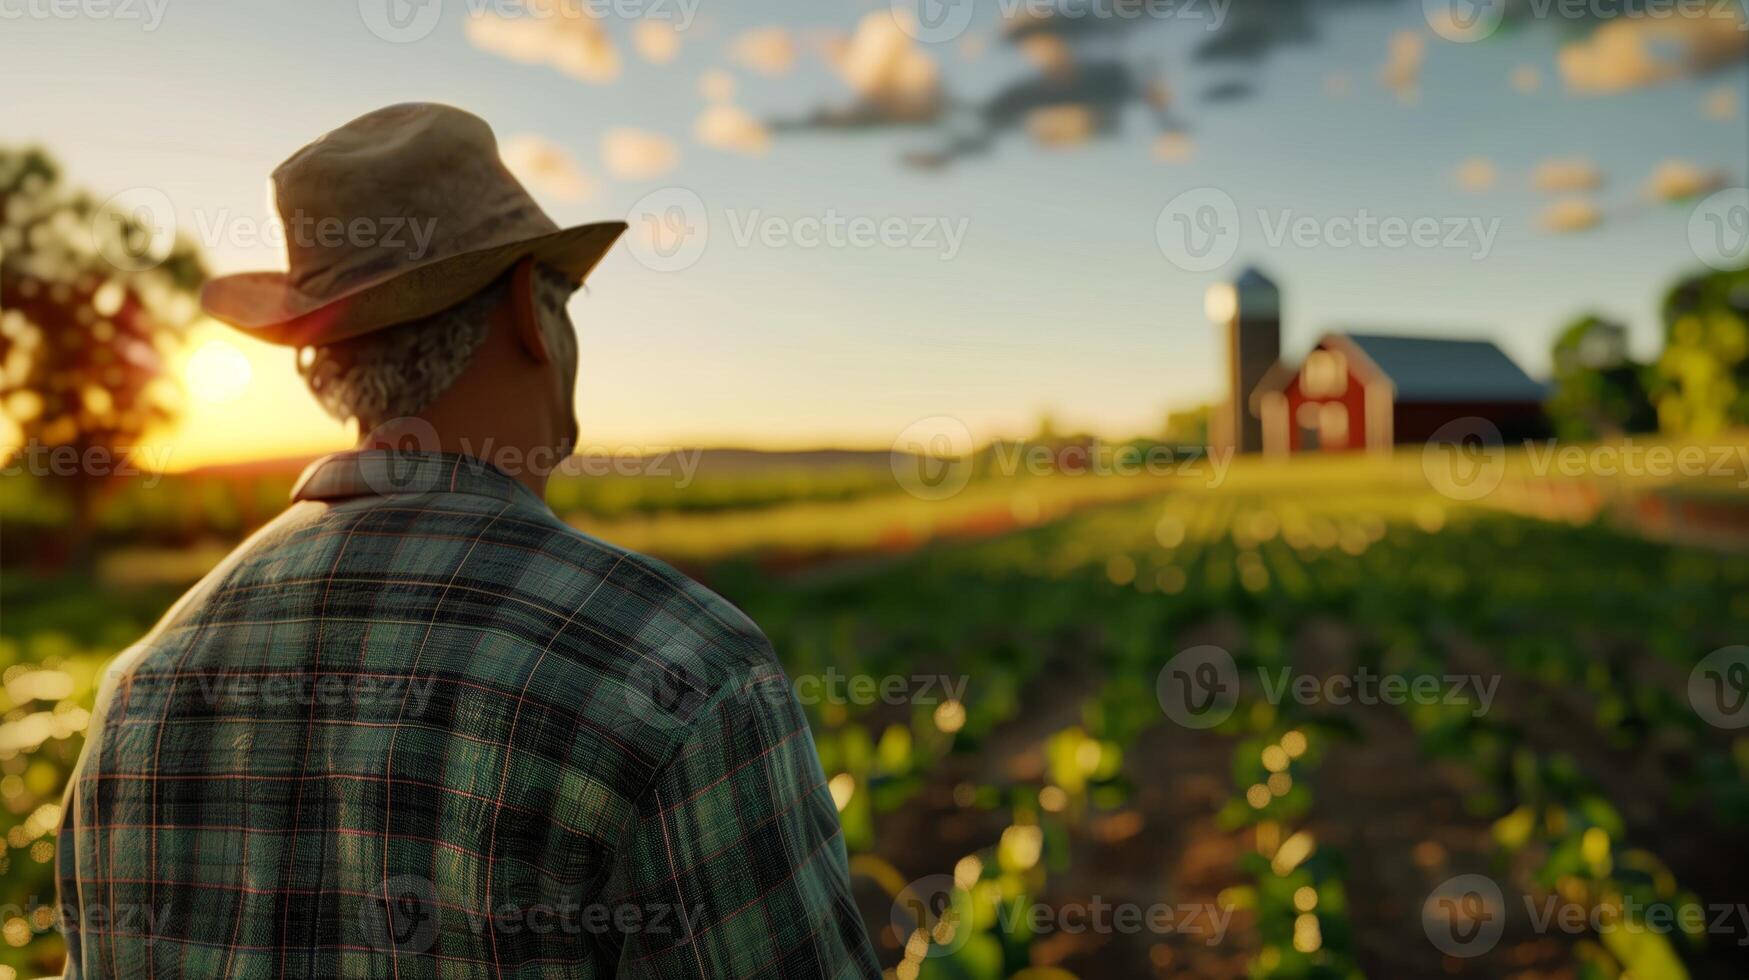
x: 1634, y: 52
x: 1557, y: 176
x: 1254, y: 29
x: 1049, y: 52
x: 1476, y: 175
x: 766, y: 50
x: 657, y: 40
x: 1063, y: 20
x: 1231, y: 90
x: 557, y: 33
x: 726, y: 127
x: 888, y: 70
x: 1721, y: 103
x: 1067, y: 55
x: 546, y: 167
x: 1174, y: 148
x: 1158, y: 94
x: 716, y: 85
x: 633, y: 154
x: 1061, y: 126
x: 1402, y: 71
x: 1570, y: 214
x: 1674, y: 180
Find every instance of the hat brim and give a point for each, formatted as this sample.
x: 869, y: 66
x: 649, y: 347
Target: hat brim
x: 267, y: 306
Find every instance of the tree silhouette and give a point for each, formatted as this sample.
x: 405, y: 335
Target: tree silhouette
x: 91, y: 297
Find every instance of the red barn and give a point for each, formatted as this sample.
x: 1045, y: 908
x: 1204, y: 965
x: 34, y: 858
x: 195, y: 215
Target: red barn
x: 1369, y: 391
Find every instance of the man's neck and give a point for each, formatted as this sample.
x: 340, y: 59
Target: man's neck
x: 521, y: 455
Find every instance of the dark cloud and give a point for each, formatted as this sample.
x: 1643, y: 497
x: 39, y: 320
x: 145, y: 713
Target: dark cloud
x: 1229, y: 91
x: 1089, y: 61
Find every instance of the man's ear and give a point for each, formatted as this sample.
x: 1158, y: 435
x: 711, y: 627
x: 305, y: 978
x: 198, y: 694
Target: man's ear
x: 525, y: 313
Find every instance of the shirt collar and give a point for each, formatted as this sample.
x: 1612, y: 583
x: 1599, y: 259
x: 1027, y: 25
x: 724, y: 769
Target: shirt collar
x: 384, y: 473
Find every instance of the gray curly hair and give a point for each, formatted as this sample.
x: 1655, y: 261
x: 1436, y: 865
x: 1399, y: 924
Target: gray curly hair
x: 397, y: 371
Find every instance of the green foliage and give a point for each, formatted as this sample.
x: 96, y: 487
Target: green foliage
x: 1091, y: 608
x: 1598, y: 390
x: 91, y: 298
x: 1703, y: 375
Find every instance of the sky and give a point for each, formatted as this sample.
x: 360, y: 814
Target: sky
x: 1561, y: 162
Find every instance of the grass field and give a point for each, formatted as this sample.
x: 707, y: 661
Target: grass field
x: 1051, y: 749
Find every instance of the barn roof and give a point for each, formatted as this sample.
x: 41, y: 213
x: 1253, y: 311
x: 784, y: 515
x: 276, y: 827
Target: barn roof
x: 1434, y: 369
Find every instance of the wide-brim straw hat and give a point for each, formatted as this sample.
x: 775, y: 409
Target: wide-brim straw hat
x: 396, y: 215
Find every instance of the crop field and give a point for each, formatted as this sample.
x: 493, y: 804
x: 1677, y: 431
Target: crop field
x: 1308, y: 724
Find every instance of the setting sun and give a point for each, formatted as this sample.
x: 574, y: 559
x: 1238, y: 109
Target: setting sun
x: 217, y: 372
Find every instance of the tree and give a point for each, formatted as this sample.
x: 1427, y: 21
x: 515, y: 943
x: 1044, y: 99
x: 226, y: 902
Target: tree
x: 1188, y: 428
x: 1599, y: 390
x: 1702, y: 381
x: 91, y: 298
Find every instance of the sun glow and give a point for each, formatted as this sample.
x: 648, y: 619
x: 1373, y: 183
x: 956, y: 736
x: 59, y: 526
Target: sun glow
x: 217, y: 373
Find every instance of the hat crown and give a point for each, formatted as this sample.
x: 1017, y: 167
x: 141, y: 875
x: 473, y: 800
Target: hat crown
x: 393, y: 188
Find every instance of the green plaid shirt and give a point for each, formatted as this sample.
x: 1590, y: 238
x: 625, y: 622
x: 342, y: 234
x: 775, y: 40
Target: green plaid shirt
x: 419, y: 727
